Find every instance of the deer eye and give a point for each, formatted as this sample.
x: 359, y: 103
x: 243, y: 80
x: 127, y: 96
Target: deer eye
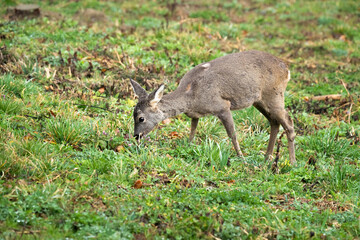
x: 141, y: 119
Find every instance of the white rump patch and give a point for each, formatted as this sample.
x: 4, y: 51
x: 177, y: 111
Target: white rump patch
x: 206, y: 65
x: 288, y: 75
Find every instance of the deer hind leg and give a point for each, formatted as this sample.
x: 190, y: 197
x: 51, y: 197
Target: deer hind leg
x: 286, y: 122
x: 275, y: 125
x: 194, y: 123
x: 226, y: 118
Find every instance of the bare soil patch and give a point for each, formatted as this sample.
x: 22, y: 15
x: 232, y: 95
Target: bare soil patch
x: 89, y: 17
x: 290, y: 203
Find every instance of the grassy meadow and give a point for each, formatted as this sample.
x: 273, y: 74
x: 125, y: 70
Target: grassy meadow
x: 70, y: 168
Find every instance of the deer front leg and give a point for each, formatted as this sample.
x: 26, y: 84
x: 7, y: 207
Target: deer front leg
x: 228, y: 122
x: 194, y: 123
x: 273, y: 134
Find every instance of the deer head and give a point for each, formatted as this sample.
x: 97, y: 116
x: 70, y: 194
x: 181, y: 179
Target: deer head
x: 146, y: 113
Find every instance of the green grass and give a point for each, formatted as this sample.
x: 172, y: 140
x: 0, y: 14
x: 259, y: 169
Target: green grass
x: 69, y: 167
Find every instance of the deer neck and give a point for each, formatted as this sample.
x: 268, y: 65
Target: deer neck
x: 173, y: 104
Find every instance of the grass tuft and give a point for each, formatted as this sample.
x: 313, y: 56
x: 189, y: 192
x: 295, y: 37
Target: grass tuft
x: 67, y: 131
x: 9, y: 105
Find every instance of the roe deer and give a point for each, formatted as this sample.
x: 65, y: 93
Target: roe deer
x: 231, y: 82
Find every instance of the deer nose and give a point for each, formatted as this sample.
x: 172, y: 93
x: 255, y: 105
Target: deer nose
x: 138, y: 136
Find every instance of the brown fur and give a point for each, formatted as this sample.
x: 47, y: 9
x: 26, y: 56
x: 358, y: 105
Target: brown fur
x: 231, y: 82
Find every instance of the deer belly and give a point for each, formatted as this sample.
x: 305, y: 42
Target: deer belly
x: 195, y: 114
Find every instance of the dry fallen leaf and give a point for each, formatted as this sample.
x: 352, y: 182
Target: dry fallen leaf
x: 166, y: 121
x: 52, y: 113
x: 342, y: 38
x: 119, y: 148
x: 51, y: 88
x: 138, y: 184
x: 28, y: 136
x: 174, y: 134
x: 231, y: 181
x: 101, y: 90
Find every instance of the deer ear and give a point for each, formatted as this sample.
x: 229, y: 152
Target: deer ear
x: 138, y: 90
x: 155, y: 97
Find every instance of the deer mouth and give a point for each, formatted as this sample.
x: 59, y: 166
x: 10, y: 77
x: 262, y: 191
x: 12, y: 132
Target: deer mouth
x: 139, y: 136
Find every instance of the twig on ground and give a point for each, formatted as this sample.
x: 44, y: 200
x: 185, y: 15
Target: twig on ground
x: 168, y: 55
x: 326, y: 97
x: 351, y: 99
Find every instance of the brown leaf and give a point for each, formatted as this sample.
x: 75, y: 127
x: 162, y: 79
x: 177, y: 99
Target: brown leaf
x: 119, y: 148
x: 101, y: 90
x: 174, y: 134
x: 231, y: 181
x: 166, y: 121
x: 53, y: 114
x: 342, y: 38
x: 138, y: 184
x: 28, y: 136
